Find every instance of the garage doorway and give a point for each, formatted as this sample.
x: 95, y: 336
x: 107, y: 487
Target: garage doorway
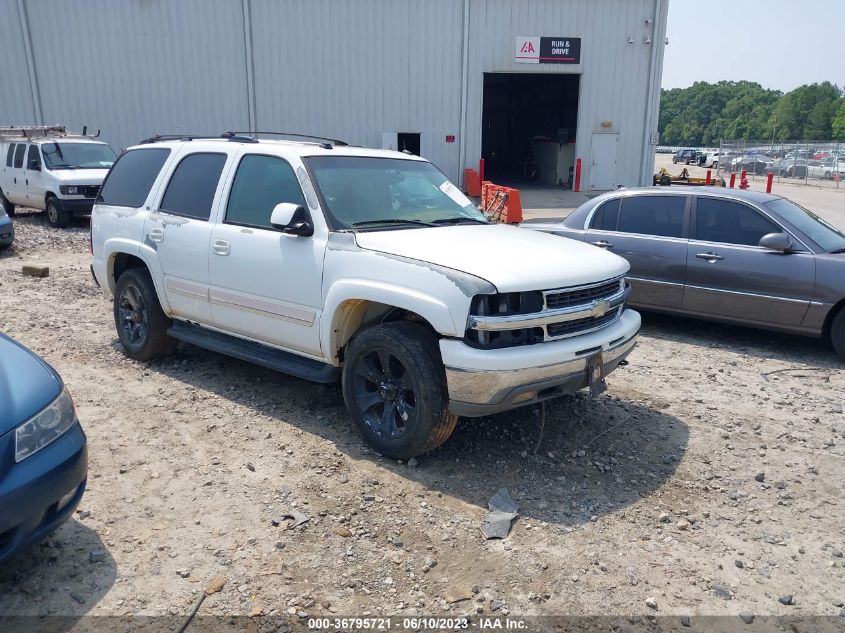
x: 528, y: 127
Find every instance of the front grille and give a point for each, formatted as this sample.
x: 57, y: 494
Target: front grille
x: 90, y: 191
x: 565, y: 328
x: 567, y: 298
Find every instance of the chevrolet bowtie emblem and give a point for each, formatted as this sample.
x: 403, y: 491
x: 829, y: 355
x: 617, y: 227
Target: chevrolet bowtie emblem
x: 599, y: 308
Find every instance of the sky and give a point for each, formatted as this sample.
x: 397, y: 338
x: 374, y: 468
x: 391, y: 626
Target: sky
x: 780, y: 44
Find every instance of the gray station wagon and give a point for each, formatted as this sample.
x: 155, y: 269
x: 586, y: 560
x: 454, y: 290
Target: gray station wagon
x: 727, y: 255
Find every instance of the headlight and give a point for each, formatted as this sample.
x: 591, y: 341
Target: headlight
x: 45, y: 427
x: 69, y: 190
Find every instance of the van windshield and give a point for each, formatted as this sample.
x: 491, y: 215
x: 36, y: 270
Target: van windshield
x: 361, y: 191
x: 77, y: 155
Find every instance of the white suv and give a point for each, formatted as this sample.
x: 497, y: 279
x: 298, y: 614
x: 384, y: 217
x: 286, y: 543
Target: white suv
x: 45, y: 168
x: 359, y: 265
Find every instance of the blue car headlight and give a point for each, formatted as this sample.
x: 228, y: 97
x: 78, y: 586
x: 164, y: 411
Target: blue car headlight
x: 45, y: 427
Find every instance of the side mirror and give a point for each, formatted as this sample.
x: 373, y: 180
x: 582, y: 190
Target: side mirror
x: 292, y: 219
x: 780, y: 242
x: 34, y: 165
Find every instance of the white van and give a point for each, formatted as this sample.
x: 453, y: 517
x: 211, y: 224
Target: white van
x: 43, y: 167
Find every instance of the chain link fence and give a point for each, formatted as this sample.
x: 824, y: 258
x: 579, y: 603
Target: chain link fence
x: 812, y: 163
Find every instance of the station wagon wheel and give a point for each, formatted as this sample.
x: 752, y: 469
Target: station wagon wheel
x: 385, y: 393
x: 394, y: 386
x: 140, y: 322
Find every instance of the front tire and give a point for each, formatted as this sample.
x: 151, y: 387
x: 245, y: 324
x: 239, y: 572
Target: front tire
x: 57, y: 217
x: 141, y: 323
x: 394, y: 386
x: 837, y: 333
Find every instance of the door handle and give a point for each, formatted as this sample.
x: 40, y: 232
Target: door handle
x: 221, y: 247
x: 156, y: 235
x: 602, y: 244
x: 710, y: 257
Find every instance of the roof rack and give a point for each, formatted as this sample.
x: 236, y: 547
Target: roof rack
x: 331, y: 141
x: 229, y: 136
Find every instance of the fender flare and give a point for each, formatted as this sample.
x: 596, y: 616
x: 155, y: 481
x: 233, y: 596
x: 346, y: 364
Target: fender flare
x: 117, y: 246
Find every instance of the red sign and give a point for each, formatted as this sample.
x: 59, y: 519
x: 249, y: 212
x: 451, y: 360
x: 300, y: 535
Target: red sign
x: 450, y: 138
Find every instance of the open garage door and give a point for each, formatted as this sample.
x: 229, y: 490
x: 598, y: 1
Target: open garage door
x: 528, y: 127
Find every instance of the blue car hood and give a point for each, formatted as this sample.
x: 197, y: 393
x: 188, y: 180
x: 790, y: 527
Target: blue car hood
x: 27, y: 384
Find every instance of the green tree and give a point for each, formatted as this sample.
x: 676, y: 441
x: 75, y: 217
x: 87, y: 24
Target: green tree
x: 838, y: 123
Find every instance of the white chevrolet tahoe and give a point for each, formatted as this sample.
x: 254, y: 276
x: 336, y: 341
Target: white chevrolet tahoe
x: 366, y: 266
x: 45, y: 168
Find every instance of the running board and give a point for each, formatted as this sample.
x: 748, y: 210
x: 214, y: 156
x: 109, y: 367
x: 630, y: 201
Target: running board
x: 257, y: 353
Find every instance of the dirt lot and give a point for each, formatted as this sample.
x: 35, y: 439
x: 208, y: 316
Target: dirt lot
x: 709, y: 478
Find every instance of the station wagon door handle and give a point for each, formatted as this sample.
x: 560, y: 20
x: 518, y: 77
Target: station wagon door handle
x: 156, y: 235
x: 710, y: 257
x: 602, y: 244
x: 220, y: 247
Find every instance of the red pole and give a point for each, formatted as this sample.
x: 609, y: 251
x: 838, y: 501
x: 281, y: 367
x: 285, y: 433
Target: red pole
x: 481, y: 170
x: 733, y: 180
x: 707, y: 182
x: 769, y: 179
x: 577, y: 186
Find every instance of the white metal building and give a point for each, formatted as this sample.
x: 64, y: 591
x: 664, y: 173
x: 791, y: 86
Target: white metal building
x: 531, y: 84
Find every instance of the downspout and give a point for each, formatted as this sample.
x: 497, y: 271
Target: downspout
x: 30, y: 63
x: 250, y: 67
x: 648, y: 154
x: 462, y: 144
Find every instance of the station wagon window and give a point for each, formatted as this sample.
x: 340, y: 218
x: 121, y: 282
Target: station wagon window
x: 191, y: 189
x: 261, y: 183
x: 730, y: 222
x: 607, y: 216
x: 19, y: 152
x: 130, y: 179
x: 10, y: 154
x: 33, y: 155
x: 653, y: 215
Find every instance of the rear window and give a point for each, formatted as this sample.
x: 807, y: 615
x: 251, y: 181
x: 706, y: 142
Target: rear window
x: 10, y: 154
x: 19, y: 151
x: 130, y: 179
x: 653, y: 215
x: 191, y: 189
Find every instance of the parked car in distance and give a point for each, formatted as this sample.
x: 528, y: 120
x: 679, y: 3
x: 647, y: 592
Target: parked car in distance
x: 45, y: 168
x: 685, y: 156
x: 753, y: 163
x: 359, y: 265
x: 788, y: 168
x: 43, y: 451
x: 7, y: 229
x: 728, y: 255
x: 826, y: 168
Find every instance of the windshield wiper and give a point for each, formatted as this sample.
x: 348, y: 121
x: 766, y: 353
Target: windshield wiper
x: 837, y: 251
x: 391, y: 221
x: 457, y: 220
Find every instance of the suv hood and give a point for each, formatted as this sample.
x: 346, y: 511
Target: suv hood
x: 27, y: 384
x: 512, y: 259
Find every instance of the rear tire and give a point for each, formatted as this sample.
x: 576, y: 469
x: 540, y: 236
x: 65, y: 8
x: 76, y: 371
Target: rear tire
x: 141, y: 323
x: 8, y: 207
x: 394, y: 386
x: 837, y: 333
x: 57, y: 217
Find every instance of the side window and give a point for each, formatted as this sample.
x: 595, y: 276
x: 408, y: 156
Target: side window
x: 19, y: 151
x: 261, y: 183
x: 607, y: 216
x: 190, y: 191
x: 10, y: 154
x: 33, y: 155
x: 653, y: 215
x: 130, y: 179
x: 730, y: 222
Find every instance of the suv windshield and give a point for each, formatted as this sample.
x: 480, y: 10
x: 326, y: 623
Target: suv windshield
x: 821, y: 232
x: 361, y: 191
x: 77, y: 155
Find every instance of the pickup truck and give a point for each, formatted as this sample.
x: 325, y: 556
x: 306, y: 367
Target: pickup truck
x: 367, y: 267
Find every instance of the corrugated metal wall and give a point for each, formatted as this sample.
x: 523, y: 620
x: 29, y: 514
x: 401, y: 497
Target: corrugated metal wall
x: 346, y: 68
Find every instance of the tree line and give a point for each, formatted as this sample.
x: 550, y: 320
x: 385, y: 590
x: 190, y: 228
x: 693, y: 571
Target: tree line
x: 704, y: 113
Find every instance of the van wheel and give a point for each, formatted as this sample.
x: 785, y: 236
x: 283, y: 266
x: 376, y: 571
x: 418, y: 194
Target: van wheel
x: 8, y: 207
x: 394, y: 387
x: 57, y: 217
x: 141, y: 324
x: 837, y: 333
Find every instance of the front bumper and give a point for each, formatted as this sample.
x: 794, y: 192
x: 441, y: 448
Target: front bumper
x: 30, y: 491
x: 80, y: 206
x: 482, y: 382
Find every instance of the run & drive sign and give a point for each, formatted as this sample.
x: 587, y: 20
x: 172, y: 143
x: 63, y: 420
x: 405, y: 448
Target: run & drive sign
x: 547, y: 50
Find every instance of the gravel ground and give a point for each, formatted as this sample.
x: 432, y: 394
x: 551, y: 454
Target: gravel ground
x: 708, y: 480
